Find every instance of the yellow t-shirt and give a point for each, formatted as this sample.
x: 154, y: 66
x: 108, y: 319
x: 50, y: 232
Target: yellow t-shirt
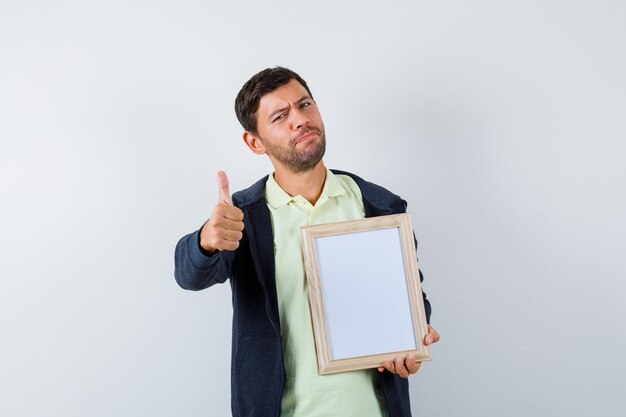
x: 308, y: 394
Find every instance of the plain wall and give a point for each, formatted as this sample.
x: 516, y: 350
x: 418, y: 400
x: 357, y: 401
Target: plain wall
x: 500, y: 122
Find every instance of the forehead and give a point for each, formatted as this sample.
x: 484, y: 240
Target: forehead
x: 282, y: 96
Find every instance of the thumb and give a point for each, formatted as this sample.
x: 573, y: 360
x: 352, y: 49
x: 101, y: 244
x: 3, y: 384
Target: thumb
x: 222, y: 183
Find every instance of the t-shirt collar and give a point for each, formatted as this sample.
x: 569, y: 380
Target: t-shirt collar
x: 277, y: 197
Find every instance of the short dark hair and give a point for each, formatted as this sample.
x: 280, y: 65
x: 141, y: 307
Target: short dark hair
x: 266, y: 81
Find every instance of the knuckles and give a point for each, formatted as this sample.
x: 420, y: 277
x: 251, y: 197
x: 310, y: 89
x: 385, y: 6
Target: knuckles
x: 224, y: 229
x: 228, y: 212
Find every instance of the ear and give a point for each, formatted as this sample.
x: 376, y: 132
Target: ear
x: 254, y: 143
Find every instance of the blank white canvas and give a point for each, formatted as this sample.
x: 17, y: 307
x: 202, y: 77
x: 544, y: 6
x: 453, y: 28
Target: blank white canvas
x: 365, y: 293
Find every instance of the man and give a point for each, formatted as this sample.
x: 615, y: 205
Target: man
x: 253, y: 240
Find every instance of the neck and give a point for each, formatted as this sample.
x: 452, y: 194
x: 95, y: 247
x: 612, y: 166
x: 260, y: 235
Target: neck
x: 308, y: 184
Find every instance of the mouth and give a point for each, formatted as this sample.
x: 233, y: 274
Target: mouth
x: 307, y: 136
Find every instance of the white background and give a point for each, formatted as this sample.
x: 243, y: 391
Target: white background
x: 500, y: 122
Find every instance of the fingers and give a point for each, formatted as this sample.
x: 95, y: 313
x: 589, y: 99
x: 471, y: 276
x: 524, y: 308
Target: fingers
x: 222, y: 183
x: 400, y: 367
x: 229, y: 216
x: 411, y: 365
x: 224, y: 229
x: 403, y: 366
x: 432, y: 336
x: 390, y: 366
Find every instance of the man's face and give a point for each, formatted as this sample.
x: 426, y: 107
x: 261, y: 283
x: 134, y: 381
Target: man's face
x: 290, y: 127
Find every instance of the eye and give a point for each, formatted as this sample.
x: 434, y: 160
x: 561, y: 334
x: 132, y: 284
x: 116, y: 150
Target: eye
x: 280, y: 117
x: 305, y: 104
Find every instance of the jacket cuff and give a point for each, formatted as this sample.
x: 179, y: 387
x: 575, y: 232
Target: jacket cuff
x: 200, y: 258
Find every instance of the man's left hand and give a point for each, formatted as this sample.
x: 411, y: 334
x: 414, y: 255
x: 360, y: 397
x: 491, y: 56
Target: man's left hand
x: 405, y: 366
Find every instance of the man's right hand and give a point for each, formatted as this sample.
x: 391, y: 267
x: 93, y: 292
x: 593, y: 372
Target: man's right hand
x: 224, y: 229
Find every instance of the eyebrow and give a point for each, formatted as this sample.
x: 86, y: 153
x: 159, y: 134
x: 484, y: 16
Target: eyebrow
x: 282, y: 109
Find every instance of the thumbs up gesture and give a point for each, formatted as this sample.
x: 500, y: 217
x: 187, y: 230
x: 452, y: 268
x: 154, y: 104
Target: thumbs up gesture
x: 223, y: 230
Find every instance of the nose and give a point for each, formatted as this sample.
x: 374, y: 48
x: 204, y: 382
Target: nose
x: 299, y: 119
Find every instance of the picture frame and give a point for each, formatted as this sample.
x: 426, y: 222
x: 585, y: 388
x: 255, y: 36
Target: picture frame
x: 364, y: 292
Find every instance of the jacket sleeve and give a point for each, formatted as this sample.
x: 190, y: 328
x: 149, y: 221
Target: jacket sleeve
x: 195, y: 269
x: 427, y: 308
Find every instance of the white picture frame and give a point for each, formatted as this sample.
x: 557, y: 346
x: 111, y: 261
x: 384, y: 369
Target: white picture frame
x: 365, y: 293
